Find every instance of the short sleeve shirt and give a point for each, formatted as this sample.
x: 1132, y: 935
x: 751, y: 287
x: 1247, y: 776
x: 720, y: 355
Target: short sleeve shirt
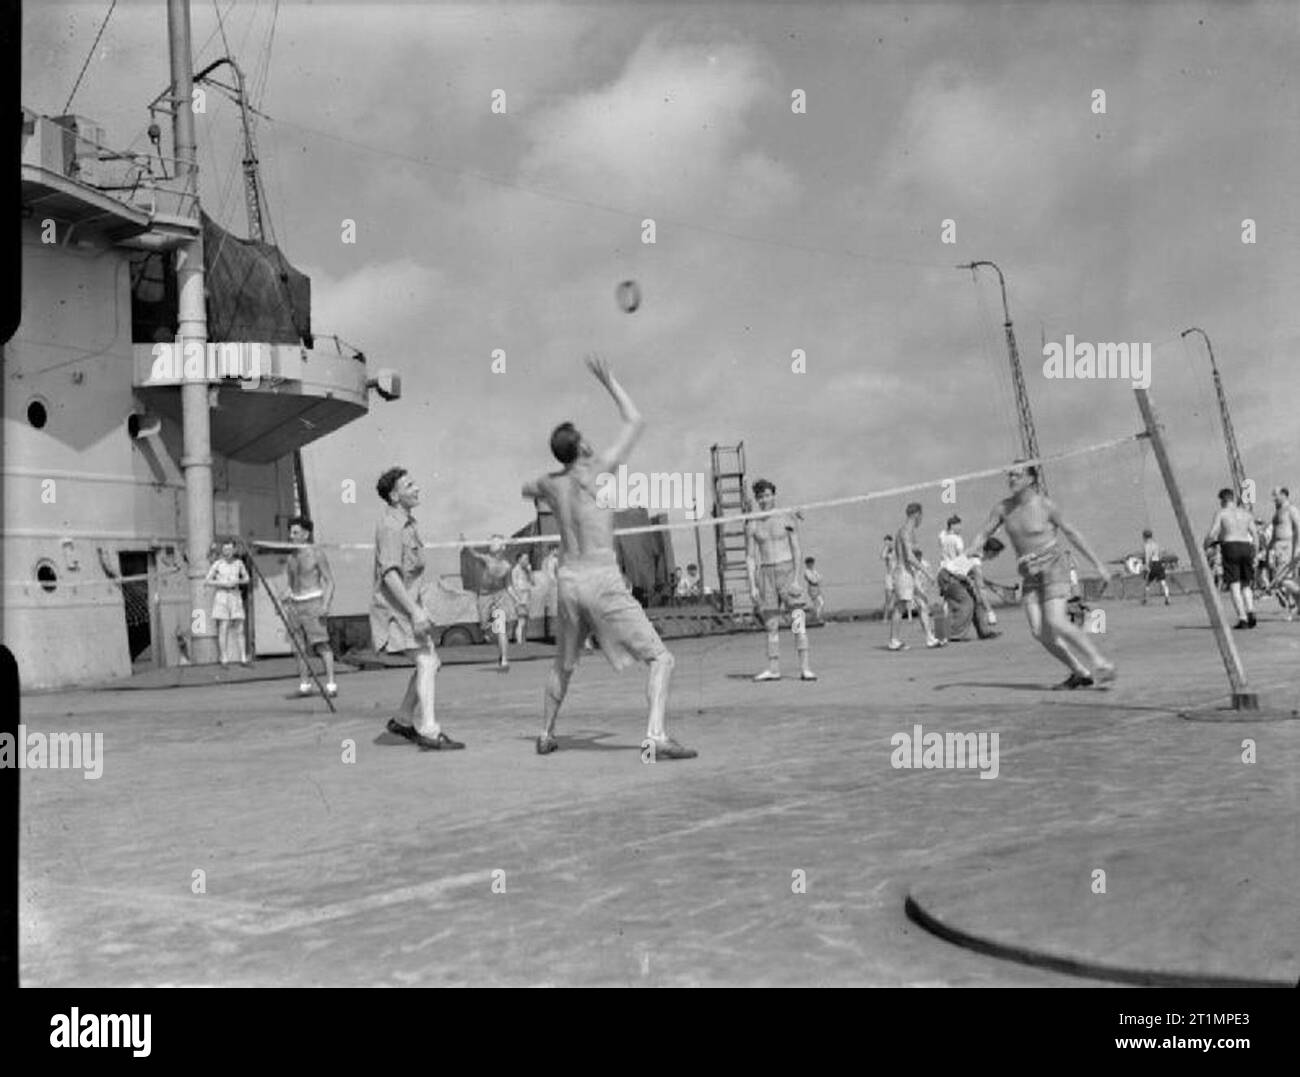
x: 397, y: 545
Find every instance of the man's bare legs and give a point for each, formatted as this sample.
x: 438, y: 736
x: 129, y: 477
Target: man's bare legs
x: 1051, y: 624
x: 657, y: 684
x: 1243, y: 600
x: 557, y: 687
x: 799, y: 629
x: 772, y: 625
x: 326, y: 654
x: 922, y: 608
x: 1042, y: 631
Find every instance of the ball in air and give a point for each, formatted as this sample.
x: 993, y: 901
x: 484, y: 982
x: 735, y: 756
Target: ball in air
x: 628, y: 296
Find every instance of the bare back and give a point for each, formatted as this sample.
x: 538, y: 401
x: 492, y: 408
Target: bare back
x: 1232, y: 523
x: 586, y: 527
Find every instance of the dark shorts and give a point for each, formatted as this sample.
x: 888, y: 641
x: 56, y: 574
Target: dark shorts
x: 1238, y: 562
x: 1156, y: 572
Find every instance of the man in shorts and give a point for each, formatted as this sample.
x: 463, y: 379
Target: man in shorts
x: 910, y: 574
x: 890, y: 562
x: 496, y: 606
x: 1036, y: 528
x: 522, y: 584
x: 228, y: 577
x: 1283, y: 547
x: 592, y: 596
x: 774, y: 561
x: 1154, y: 566
x: 399, y: 622
x: 311, y: 591
x: 1233, y: 531
x: 813, y: 581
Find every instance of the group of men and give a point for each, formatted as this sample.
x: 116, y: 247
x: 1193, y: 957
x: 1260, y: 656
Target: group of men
x: 1040, y: 536
x: 593, y: 598
x: 592, y: 595
x: 1248, y: 555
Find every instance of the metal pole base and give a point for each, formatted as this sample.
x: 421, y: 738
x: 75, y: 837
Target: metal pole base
x: 1245, y: 707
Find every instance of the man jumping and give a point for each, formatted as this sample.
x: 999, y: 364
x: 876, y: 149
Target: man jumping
x: 592, y: 596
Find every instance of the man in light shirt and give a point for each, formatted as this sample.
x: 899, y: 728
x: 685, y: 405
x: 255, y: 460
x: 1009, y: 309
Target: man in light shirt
x: 960, y: 585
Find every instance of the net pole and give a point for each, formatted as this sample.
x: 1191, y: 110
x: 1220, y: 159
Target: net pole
x: 293, y: 638
x: 1242, y: 698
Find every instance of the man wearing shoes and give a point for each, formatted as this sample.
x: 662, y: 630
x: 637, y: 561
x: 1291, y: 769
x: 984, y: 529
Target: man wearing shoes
x: 307, y: 603
x: 909, y: 571
x: 1154, y: 565
x: 1233, y: 531
x: 1037, y: 530
x: 591, y: 594
x: 775, y: 561
x: 399, y: 623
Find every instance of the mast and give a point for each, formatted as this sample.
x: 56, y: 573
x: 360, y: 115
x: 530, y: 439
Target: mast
x: 1028, y: 437
x: 192, y: 328
x: 252, y: 174
x: 253, y: 203
x: 1235, y: 467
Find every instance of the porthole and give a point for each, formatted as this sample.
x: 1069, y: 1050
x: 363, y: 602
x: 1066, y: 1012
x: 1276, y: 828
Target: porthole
x: 46, y: 575
x: 36, y: 413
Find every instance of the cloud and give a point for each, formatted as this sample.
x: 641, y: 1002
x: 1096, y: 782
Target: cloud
x: 668, y: 135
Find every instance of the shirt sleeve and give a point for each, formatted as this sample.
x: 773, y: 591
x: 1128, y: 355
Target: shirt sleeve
x: 388, y: 547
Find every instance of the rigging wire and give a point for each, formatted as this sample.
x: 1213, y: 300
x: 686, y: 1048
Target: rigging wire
x: 77, y: 85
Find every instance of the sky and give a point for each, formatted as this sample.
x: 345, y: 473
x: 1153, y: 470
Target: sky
x: 819, y: 230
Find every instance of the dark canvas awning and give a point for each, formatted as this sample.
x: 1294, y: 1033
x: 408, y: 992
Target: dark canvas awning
x: 253, y: 293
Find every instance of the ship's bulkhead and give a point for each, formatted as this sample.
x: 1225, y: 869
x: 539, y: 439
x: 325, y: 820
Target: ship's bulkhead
x: 93, y: 488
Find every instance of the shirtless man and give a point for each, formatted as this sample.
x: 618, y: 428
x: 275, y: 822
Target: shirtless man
x: 308, y: 600
x: 1154, y: 565
x: 774, y: 559
x: 591, y: 593
x: 890, y: 563
x: 910, y: 573
x: 1282, y: 546
x: 1233, y: 531
x: 1035, y: 527
x: 496, y: 607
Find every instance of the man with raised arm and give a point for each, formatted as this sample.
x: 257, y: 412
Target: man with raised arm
x: 1037, y: 530
x: 592, y: 596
